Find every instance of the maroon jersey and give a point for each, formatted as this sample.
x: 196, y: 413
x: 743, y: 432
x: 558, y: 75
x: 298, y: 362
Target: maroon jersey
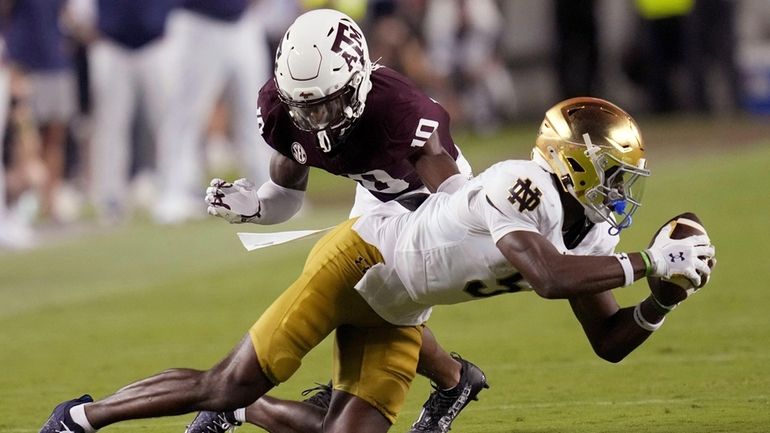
x: 396, y: 123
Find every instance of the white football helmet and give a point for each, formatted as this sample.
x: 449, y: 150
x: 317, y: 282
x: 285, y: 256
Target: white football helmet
x: 597, y: 152
x: 322, y: 71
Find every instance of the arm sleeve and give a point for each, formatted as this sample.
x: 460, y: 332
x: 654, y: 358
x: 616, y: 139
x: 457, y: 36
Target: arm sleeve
x: 277, y: 204
x: 453, y: 183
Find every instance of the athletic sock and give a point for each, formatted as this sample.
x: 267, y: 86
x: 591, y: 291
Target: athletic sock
x: 240, y: 414
x: 78, y: 415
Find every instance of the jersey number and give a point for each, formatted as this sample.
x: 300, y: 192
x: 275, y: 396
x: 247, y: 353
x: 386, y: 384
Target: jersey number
x: 425, y: 129
x: 478, y: 289
x: 260, y: 120
x: 380, y: 181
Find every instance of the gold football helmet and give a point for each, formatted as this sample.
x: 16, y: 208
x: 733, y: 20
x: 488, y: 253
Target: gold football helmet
x: 597, y: 152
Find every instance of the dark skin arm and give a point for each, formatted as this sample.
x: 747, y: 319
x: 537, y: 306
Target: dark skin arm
x: 557, y: 276
x: 288, y: 173
x: 433, y: 164
x: 587, y: 282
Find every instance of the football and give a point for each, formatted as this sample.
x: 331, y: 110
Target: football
x: 677, y: 289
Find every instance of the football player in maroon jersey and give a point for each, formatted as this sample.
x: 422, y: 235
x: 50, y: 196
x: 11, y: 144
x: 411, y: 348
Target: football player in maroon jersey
x: 330, y: 107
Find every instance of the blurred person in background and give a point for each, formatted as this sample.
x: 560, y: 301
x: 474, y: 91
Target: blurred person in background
x: 38, y: 49
x: 667, y: 54
x: 577, y: 47
x: 355, y: 9
x: 276, y: 16
x: 14, y: 232
x: 462, y: 39
x: 220, y: 50
x: 129, y: 63
x: 754, y: 54
x: 395, y: 35
x: 715, y: 52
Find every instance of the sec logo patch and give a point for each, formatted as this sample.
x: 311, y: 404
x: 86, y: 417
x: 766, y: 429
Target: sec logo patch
x: 298, y: 152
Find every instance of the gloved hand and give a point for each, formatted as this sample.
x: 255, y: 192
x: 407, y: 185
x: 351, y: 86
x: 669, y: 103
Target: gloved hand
x: 688, y: 257
x: 236, y: 202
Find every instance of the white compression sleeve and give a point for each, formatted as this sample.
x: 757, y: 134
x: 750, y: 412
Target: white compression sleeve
x: 277, y: 203
x: 453, y: 183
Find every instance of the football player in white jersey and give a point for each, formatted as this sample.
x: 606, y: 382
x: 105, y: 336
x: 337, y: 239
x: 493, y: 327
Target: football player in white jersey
x: 549, y: 225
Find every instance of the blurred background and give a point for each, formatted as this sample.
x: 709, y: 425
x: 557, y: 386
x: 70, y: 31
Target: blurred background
x: 96, y: 96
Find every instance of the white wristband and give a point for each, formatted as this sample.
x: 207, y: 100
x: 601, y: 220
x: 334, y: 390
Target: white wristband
x: 643, y: 323
x: 628, y: 270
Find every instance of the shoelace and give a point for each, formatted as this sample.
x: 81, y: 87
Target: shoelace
x: 221, y: 424
x: 438, y: 403
x: 224, y: 424
x: 321, y: 398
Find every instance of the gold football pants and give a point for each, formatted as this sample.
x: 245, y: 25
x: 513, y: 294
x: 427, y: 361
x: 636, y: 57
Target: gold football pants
x: 373, y: 359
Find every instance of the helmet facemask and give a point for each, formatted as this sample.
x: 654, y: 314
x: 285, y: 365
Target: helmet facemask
x: 619, y: 189
x: 322, y: 72
x: 330, y: 117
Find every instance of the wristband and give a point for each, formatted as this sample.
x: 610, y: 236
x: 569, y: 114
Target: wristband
x: 643, y: 323
x: 628, y: 270
x: 647, y: 263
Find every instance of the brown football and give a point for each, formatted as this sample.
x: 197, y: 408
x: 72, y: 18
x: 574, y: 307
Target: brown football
x: 674, y: 290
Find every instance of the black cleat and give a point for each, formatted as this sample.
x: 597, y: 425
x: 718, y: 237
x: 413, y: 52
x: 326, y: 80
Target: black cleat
x: 322, y: 398
x: 213, y: 422
x: 60, y: 420
x: 442, y: 407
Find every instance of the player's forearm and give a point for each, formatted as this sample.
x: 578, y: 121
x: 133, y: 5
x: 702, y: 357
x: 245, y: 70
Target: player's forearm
x: 277, y: 204
x: 554, y: 275
x: 570, y: 276
x: 620, y: 334
x: 579, y: 275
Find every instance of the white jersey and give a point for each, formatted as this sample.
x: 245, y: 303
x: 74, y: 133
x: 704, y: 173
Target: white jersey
x: 445, y: 252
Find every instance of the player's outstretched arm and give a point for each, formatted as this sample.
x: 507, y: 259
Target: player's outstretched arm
x: 558, y: 276
x: 274, y: 202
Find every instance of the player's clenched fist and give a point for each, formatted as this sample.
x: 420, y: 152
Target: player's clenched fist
x: 236, y: 202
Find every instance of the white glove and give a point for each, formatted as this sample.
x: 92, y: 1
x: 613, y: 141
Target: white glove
x: 687, y: 257
x: 236, y: 202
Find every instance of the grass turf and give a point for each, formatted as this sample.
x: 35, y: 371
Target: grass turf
x: 94, y: 313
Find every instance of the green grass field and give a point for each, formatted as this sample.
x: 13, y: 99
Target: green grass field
x: 94, y: 313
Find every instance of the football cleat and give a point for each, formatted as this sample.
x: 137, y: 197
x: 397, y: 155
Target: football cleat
x: 213, y: 422
x: 60, y: 420
x: 322, y: 398
x: 443, y: 406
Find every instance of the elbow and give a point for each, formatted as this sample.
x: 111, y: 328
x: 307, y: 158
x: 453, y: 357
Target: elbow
x: 548, y: 287
x: 610, y: 354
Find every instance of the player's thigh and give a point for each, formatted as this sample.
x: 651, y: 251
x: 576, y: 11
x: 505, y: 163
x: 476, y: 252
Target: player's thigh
x: 377, y: 364
x: 319, y: 301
